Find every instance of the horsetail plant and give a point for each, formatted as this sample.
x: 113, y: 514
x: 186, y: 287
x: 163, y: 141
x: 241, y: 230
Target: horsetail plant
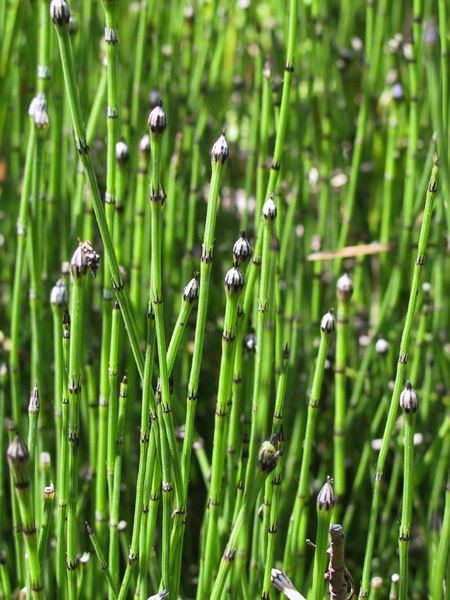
x: 60, y: 15
x: 409, y: 405
x: 294, y: 547
x: 219, y: 154
x: 22, y: 227
x: 58, y: 302
x: 344, y: 290
x: 49, y: 497
x: 115, y: 505
x: 234, y: 283
x: 18, y: 459
x: 157, y: 123
x: 83, y: 260
x: 441, y: 557
x: 33, y: 418
x: 399, y: 377
x: 138, y: 239
x: 101, y: 559
x: 272, y: 491
x: 163, y: 482
x: 4, y: 575
x: 267, y: 460
x: 148, y: 413
x: 269, y: 214
x: 325, y: 506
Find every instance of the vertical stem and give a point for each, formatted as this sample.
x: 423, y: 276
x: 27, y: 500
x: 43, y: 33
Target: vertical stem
x: 408, y: 402
x: 18, y: 459
x: 325, y: 505
x: 399, y: 379
x: 115, y: 508
x: 85, y: 157
x: 294, y: 541
x: 344, y: 290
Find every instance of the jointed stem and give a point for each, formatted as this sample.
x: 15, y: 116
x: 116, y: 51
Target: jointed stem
x: 399, y: 379
x: 85, y: 157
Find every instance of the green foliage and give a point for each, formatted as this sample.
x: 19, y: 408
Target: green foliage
x: 191, y: 399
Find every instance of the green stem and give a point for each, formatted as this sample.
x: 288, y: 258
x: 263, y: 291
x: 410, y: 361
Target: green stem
x: 405, y: 525
x: 294, y: 541
x: 85, y: 157
x: 101, y: 559
x: 441, y: 557
x: 18, y: 458
x: 399, y: 380
x: 325, y: 505
x: 115, y: 508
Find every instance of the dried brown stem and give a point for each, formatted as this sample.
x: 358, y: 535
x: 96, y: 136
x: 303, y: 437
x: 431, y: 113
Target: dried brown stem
x: 338, y: 575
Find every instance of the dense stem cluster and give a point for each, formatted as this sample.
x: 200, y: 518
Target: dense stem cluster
x: 266, y: 191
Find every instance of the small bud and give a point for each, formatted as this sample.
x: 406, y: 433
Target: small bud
x: 45, y: 460
x: 242, y: 249
x: 122, y: 152
x: 157, y: 120
x: 408, y: 52
x: 328, y: 322
x: 381, y: 346
x: 219, y: 150
x: 59, y: 12
x: 250, y: 342
x: 325, y: 498
x: 364, y: 340
x: 33, y: 405
x: 121, y: 525
x: 234, y: 281
x: 37, y: 103
x: 188, y: 12
x: 58, y: 295
x: 357, y: 44
x: 84, y: 258
x: 269, y: 209
x: 397, y: 92
x: 430, y: 34
x: 65, y: 268
x: 180, y: 433
x: 344, y: 287
x: 426, y: 287
x: 49, y: 492
x: 40, y: 118
x: 190, y: 292
x: 408, y: 399
x: 18, y: 457
x: 144, y: 144
x: 376, y: 583
x: 84, y: 558
x: 267, y: 456
x: 395, y: 578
